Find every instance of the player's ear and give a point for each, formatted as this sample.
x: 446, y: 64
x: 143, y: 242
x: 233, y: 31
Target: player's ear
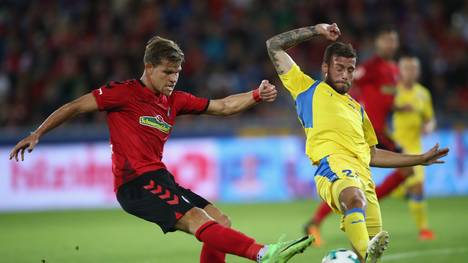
x: 149, y: 68
x: 324, y: 70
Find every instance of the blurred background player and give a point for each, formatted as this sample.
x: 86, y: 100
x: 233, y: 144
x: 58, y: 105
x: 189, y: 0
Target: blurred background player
x: 374, y: 87
x: 413, y: 117
x: 140, y: 116
x: 340, y: 139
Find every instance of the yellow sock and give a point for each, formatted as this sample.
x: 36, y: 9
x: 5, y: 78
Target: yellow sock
x: 356, y: 230
x: 418, y: 209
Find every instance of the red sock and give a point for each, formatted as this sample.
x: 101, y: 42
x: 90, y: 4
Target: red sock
x: 228, y: 240
x: 391, y: 182
x: 322, y: 211
x: 211, y: 255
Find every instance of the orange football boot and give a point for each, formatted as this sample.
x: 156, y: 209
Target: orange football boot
x: 314, y: 230
x: 426, y: 234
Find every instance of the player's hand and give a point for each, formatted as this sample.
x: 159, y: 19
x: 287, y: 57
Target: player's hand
x: 267, y: 91
x: 27, y: 143
x: 433, y: 155
x: 330, y: 32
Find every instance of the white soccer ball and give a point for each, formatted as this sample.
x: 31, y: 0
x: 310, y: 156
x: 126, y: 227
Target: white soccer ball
x: 341, y: 256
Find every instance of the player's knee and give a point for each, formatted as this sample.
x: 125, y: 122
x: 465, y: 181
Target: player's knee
x: 192, y: 220
x: 215, y: 213
x: 224, y: 220
x: 352, y: 197
x: 356, y: 202
x: 416, y: 189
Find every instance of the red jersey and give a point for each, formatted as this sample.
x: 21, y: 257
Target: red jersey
x: 376, y: 81
x: 140, y: 123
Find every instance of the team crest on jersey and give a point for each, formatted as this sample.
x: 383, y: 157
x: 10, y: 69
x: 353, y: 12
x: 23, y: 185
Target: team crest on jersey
x: 156, y: 122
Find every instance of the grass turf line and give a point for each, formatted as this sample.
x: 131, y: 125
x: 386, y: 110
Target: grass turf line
x: 114, y: 236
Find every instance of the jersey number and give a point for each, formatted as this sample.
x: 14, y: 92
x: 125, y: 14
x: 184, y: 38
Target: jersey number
x: 348, y: 173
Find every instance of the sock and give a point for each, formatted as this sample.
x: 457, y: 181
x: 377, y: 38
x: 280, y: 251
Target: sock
x: 418, y: 209
x: 211, y: 255
x: 356, y: 230
x: 321, y: 213
x: 391, y: 182
x: 228, y: 240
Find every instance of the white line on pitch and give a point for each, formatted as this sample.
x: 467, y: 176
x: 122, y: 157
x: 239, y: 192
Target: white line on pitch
x: 413, y: 254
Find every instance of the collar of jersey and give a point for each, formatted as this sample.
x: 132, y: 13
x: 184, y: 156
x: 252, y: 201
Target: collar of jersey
x: 148, y: 93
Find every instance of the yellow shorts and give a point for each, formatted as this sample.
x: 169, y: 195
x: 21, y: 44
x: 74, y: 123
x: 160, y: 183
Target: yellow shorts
x: 337, y: 172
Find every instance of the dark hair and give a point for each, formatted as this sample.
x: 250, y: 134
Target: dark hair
x: 158, y: 49
x: 407, y: 54
x: 339, y: 49
x: 384, y: 29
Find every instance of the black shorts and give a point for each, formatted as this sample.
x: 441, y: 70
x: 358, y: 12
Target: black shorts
x: 156, y: 197
x: 387, y: 143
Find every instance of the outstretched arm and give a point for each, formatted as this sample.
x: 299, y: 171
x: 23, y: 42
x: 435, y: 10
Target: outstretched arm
x: 388, y: 159
x: 278, y: 44
x: 239, y: 102
x: 85, y: 103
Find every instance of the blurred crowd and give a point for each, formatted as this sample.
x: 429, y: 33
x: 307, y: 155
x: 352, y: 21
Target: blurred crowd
x: 52, y: 51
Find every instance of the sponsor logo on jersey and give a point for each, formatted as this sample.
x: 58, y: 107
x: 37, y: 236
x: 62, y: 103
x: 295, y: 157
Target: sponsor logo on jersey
x: 156, y: 122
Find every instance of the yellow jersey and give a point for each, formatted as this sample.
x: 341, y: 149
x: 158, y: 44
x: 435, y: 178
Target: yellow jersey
x: 333, y: 123
x: 408, y: 125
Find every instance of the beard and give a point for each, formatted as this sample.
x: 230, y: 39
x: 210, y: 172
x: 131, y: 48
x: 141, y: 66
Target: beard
x: 341, y: 87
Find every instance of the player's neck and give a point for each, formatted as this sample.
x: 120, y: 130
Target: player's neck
x: 407, y: 84
x: 147, y: 85
x: 384, y: 57
x: 342, y: 92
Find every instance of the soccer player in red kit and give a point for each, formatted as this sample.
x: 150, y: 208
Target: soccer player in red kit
x: 140, y: 115
x: 375, y: 88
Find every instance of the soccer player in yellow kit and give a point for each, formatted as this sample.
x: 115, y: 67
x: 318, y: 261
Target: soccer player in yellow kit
x: 413, y: 116
x: 340, y: 138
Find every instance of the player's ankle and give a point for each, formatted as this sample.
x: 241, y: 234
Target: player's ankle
x: 261, y: 253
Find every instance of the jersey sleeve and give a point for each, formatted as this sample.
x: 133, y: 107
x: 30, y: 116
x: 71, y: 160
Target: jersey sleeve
x: 295, y: 81
x: 369, y: 133
x: 111, y: 96
x: 186, y: 103
x: 428, y: 110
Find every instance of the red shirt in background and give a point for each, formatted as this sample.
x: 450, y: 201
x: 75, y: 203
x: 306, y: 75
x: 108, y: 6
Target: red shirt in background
x: 375, y: 87
x: 140, y: 123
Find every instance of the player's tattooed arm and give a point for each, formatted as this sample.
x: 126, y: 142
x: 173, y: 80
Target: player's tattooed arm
x: 278, y: 44
x: 291, y: 38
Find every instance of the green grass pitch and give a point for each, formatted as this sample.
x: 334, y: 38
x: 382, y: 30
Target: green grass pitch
x: 113, y: 236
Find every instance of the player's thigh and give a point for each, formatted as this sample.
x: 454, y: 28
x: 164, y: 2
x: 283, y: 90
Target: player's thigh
x: 333, y: 175
x: 206, y: 205
x: 200, y: 202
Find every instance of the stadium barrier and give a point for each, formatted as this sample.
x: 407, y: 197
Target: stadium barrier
x: 78, y: 175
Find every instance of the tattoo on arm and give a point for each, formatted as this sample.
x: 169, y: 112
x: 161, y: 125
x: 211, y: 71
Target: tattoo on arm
x: 287, y: 40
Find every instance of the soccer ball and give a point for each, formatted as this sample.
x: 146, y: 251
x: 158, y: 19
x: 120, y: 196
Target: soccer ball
x: 341, y: 256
